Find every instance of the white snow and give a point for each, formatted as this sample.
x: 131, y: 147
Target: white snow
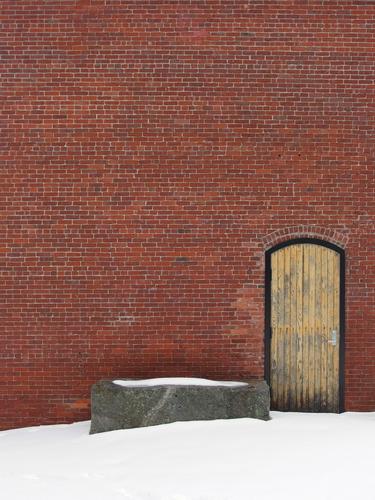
x: 176, y: 381
x: 293, y: 456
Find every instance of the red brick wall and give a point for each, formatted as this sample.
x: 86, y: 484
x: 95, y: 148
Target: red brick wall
x: 153, y: 150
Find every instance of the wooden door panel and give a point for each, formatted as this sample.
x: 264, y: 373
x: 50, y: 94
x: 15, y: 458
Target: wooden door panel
x: 305, y: 303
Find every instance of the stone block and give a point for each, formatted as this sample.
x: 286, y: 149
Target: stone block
x: 115, y: 406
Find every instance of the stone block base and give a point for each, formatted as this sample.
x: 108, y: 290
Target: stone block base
x: 124, y: 407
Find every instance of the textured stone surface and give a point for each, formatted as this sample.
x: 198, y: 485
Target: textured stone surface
x: 117, y: 407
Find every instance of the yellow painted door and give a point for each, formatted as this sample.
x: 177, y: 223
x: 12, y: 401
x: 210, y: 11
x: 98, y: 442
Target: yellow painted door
x: 305, y: 329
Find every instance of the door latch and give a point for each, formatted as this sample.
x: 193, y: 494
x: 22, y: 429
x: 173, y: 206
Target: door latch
x: 333, y: 340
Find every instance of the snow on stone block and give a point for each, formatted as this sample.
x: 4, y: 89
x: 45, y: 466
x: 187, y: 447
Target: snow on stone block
x: 126, y: 404
x: 177, y: 381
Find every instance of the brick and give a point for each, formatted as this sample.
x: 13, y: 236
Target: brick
x: 152, y: 152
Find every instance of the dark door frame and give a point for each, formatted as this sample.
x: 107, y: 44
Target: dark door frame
x: 267, y: 308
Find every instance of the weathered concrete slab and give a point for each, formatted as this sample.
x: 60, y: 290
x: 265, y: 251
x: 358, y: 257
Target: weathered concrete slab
x: 117, y: 407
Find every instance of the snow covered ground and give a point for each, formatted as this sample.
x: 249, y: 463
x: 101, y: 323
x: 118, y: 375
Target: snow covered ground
x: 293, y: 456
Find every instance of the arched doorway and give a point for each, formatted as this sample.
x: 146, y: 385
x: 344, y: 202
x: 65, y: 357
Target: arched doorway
x: 304, y: 318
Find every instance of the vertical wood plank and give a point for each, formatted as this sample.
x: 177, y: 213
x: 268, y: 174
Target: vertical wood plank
x: 323, y: 327
x: 311, y: 325
x: 317, y: 327
x: 336, y: 312
x: 299, y: 325
x: 281, y: 337
x: 278, y: 332
x: 330, y: 327
x: 293, y: 336
x: 305, y: 325
x: 287, y: 379
x: 274, y: 323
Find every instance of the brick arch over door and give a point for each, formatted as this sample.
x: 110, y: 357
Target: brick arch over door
x: 336, y: 236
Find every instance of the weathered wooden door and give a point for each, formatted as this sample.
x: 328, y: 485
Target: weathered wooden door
x: 305, y: 328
